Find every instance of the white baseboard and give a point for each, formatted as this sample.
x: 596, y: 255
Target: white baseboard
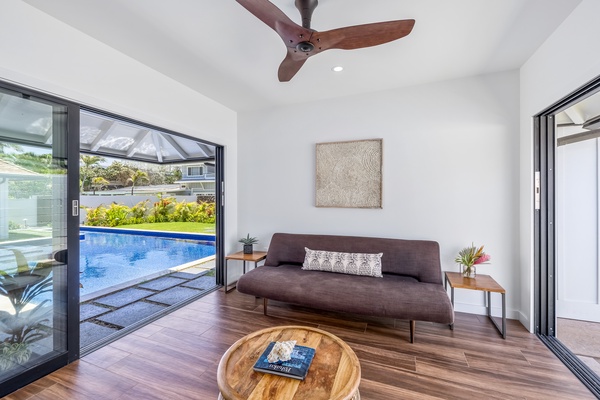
x: 482, y: 310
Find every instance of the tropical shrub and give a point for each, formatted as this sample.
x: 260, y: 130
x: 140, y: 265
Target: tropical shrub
x: 164, y: 210
x: 95, y: 216
x: 113, y: 215
x: 205, y: 213
x: 117, y: 214
x: 182, y: 212
x: 12, y: 225
x: 138, y: 212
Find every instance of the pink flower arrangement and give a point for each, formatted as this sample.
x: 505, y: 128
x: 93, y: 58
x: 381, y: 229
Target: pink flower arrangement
x: 472, y: 255
x: 483, y: 258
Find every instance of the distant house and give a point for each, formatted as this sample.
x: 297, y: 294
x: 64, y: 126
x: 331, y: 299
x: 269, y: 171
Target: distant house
x: 10, y: 171
x: 198, y: 178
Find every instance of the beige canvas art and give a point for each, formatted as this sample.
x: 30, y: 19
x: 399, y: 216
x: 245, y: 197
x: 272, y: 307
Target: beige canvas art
x: 349, y: 174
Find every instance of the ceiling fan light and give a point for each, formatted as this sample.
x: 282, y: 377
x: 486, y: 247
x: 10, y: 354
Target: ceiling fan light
x: 337, y: 68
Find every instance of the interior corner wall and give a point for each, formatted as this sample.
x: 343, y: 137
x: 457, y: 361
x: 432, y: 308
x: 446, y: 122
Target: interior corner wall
x: 450, y: 171
x: 566, y: 61
x: 42, y: 53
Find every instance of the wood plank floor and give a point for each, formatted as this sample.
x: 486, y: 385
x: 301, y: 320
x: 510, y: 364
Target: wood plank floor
x: 176, y: 357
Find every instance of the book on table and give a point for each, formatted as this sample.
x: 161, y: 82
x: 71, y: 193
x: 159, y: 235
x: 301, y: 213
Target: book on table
x: 296, y: 367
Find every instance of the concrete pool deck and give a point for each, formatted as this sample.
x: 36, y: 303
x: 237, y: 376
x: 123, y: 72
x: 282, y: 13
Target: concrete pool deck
x: 108, y: 313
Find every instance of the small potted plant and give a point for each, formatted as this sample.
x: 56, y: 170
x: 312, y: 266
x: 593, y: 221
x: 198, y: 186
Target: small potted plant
x: 248, y: 242
x: 469, y: 257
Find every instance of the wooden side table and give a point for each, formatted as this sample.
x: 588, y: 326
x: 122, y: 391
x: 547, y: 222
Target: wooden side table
x: 483, y: 283
x: 334, y: 373
x: 255, y: 257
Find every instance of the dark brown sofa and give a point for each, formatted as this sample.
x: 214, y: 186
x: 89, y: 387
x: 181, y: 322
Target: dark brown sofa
x: 411, y: 287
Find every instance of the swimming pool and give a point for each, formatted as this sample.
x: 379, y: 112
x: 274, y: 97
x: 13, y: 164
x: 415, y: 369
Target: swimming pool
x: 108, y: 259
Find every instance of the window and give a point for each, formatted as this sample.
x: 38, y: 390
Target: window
x: 195, y: 171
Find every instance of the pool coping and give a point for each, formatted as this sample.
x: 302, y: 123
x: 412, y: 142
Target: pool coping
x: 168, y: 234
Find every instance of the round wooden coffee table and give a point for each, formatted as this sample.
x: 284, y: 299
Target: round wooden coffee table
x: 333, y: 374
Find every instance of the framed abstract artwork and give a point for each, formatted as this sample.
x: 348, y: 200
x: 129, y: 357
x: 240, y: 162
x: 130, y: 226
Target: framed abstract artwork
x: 349, y: 174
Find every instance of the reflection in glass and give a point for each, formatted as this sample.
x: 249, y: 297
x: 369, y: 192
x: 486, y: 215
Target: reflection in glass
x: 33, y: 184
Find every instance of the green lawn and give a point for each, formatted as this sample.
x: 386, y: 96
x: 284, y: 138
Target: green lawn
x: 194, y: 227
x: 22, y: 234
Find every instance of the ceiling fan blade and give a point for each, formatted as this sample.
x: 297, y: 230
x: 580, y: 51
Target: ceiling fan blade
x: 291, y: 64
x: 267, y: 12
x: 359, y: 36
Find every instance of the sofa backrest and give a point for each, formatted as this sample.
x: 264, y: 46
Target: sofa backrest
x: 419, y: 259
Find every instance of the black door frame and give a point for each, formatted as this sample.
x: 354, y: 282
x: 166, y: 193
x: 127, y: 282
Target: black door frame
x: 71, y: 160
x: 220, y: 211
x: 545, y: 237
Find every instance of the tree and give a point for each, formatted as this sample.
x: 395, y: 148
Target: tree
x: 177, y: 175
x: 138, y: 178
x: 88, y: 161
x: 89, y: 169
x: 118, y: 171
x: 98, y: 182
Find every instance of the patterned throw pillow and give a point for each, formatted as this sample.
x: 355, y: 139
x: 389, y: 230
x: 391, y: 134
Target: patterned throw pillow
x: 343, y: 263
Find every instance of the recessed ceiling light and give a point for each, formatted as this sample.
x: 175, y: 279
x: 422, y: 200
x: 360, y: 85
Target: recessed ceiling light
x: 337, y: 68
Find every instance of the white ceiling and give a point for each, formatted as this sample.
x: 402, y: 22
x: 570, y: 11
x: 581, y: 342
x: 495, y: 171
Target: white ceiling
x: 219, y: 49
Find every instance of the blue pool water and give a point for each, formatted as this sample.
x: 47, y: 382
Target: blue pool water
x: 109, y: 259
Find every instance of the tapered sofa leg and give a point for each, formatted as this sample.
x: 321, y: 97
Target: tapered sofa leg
x: 413, y: 324
x: 265, y: 301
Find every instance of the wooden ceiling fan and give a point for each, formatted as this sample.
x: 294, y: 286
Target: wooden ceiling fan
x: 303, y: 42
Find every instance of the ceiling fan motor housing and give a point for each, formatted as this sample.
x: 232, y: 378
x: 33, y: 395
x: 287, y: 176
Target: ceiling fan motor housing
x: 305, y: 47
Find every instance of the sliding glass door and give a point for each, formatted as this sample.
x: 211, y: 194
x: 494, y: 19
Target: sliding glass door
x: 37, y: 204
x: 566, y: 228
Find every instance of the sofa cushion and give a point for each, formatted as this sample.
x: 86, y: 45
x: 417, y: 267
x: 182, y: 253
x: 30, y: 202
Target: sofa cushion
x: 394, y: 296
x: 343, y: 263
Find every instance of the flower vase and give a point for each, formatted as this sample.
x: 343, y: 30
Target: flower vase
x: 468, y: 272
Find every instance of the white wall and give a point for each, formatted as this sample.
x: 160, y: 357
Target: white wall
x: 567, y: 60
x: 19, y: 209
x: 450, y: 170
x: 577, y: 203
x: 43, y: 53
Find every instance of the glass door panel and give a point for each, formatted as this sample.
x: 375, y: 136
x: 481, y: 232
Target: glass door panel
x: 33, y: 236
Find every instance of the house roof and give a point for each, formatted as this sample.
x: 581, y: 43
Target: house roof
x: 14, y: 172
x: 219, y: 49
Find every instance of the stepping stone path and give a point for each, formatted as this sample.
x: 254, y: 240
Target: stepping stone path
x: 91, y: 333
x: 87, y: 311
x: 131, y: 313
x: 123, y: 297
x: 174, y: 295
x: 162, y: 283
x: 108, y: 314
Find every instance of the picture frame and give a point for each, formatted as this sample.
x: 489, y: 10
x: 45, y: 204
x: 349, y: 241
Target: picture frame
x: 349, y: 174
